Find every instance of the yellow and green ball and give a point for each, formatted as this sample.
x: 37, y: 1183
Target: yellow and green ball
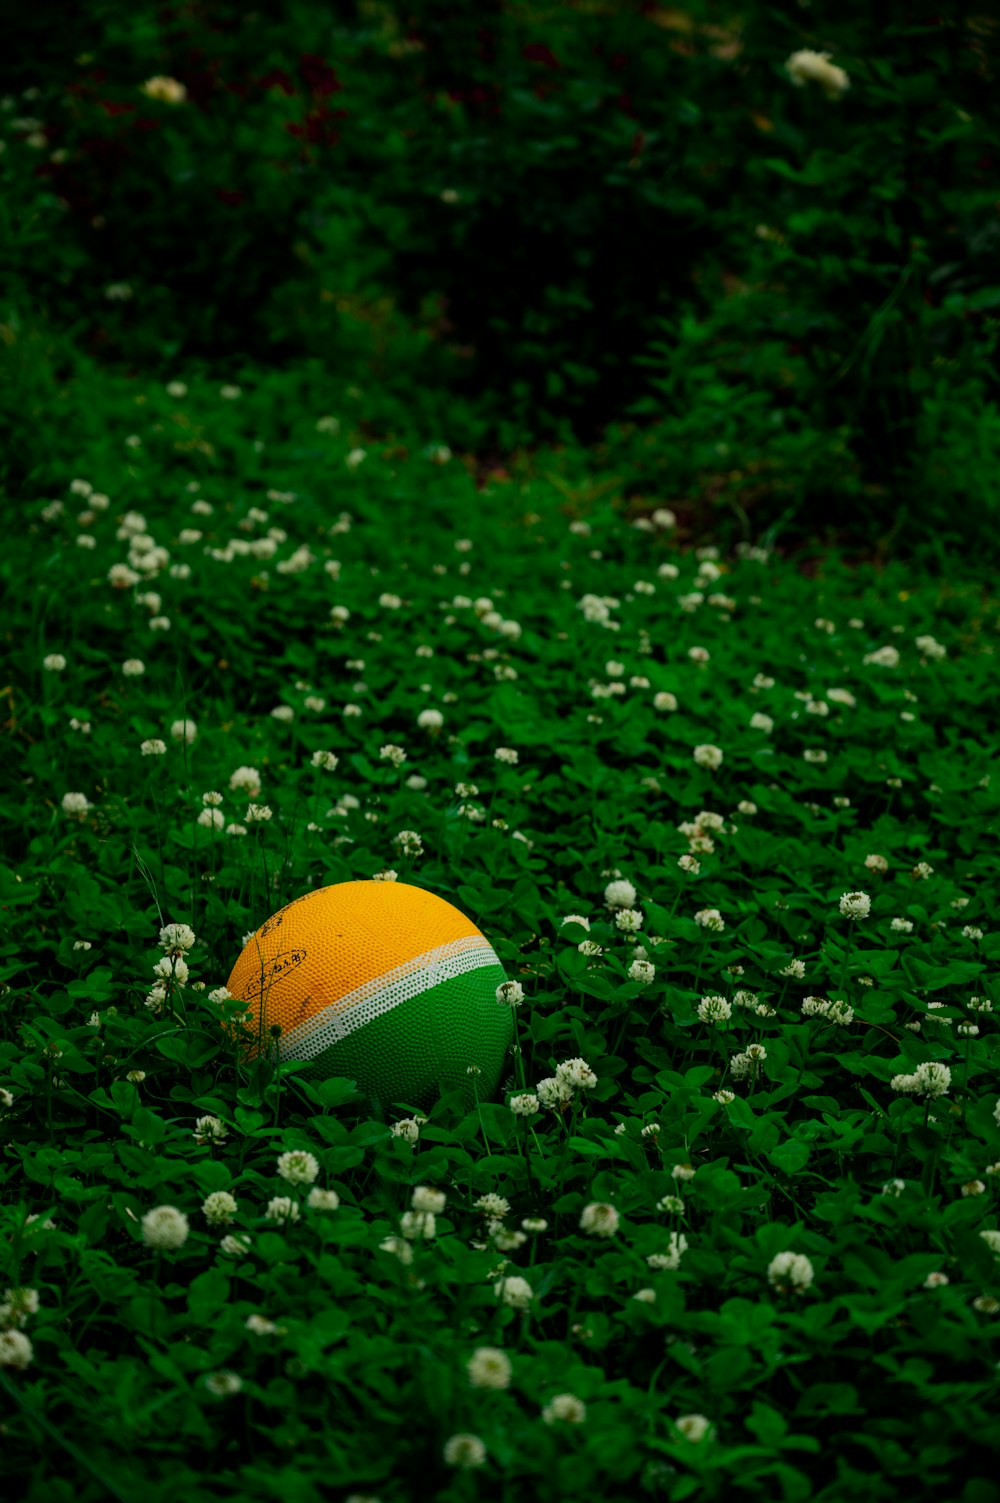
x: 381, y: 982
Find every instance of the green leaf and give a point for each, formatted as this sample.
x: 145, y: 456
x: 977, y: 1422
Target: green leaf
x: 124, y: 1096
x: 790, y: 1156
x: 207, y: 1293
x: 211, y: 1175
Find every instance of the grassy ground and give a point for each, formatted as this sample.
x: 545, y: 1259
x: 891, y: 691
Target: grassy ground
x: 742, y: 866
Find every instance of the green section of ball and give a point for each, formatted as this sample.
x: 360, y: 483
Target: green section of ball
x: 427, y: 1043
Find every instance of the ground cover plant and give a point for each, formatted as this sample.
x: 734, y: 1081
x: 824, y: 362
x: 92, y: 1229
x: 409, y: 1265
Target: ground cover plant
x: 750, y: 247
x: 729, y: 822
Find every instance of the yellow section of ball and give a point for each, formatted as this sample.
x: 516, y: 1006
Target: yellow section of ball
x: 337, y: 941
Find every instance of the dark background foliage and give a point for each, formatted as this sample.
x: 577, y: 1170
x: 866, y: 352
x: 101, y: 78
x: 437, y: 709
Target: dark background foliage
x: 573, y: 223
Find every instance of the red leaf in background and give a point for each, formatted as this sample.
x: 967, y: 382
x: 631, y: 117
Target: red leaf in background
x: 277, y: 79
x: 145, y: 124
x: 317, y: 75
x: 231, y: 196
x: 537, y: 52
x: 116, y: 107
x: 624, y: 103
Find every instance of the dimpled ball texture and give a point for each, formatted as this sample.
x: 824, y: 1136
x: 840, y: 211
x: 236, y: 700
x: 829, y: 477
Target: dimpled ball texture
x: 380, y: 982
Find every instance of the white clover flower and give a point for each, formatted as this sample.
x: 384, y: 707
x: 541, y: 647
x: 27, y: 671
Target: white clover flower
x: 515, y: 1292
x: 883, y: 657
x: 670, y: 1260
x: 258, y: 814
x: 815, y: 67
x: 565, y: 1406
x: 172, y: 968
x: 576, y: 918
x: 642, y: 971
x: 165, y: 1228
x: 327, y: 760
x: 576, y: 1072
x: 322, y: 1200
x: 693, y: 1427
x: 724, y: 1097
x: 399, y: 1247
x: 414, y: 1224
x: 298, y: 1167
x: 18, y: 1305
x: 936, y: 1280
x: 524, y: 1105
x: 54, y: 663
x: 282, y: 1208
x: 76, y: 804
x: 510, y: 993
x: 790, y: 1271
x: 930, y: 648
x: 219, y: 1208
x: 246, y: 780
x: 177, y: 939
x: 209, y: 1130
x: 974, y: 1187
x: 629, y: 920
x: 708, y: 756
x: 408, y: 1129
x: 855, y: 905
x: 761, y: 722
x: 664, y: 700
x: 932, y: 1078
x: 553, y: 1092
x: 426, y: 1198
x: 492, y: 1205
x: 489, y: 1367
x: 392, y: 753
x: 223, y: 1384
x: 465, y: 1451
x: 184, y: 730
x: 619, y: 894
x: 714, y: 1010
x: 710, y: 918
x: 506, y: 754
x: 599, y: 1219
x: 430, y: 720
x: 15, y: 1349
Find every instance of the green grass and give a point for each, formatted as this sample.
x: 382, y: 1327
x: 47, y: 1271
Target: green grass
x: 878, y: 1379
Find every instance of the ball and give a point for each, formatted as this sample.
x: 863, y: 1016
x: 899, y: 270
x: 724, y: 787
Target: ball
x: 381, y: 982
